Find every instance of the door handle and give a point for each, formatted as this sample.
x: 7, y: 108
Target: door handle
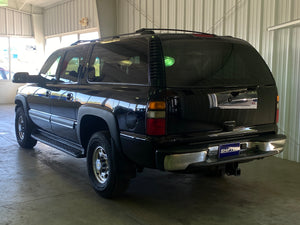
x: 70, y: 97
x: 48, y: 94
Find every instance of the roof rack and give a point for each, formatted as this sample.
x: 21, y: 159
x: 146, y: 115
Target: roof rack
x: 81, y: 41
x: 141, y: 31
x: 102, y: 39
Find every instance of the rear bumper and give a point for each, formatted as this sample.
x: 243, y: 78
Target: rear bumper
x: 256, y: 148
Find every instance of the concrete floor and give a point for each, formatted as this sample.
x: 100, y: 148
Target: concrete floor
x: 45, y: 186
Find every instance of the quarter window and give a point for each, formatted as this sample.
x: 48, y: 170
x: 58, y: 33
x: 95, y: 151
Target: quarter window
x: 120, y: 62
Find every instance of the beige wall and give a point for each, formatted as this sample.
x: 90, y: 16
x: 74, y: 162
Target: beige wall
x: 8, y: 92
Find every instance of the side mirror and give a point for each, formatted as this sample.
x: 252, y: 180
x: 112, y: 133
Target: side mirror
x: 21, y: 77
x: 24, y: 77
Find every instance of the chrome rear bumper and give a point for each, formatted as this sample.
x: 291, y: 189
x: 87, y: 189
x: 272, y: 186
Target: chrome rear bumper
x: 251, y: 149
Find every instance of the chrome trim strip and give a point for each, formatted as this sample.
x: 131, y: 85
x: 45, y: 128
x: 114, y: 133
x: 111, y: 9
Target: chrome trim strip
x: 213, y: 101
x: 175, y: 162
x: 39, y: 115
x: 245, y: 103
x: 243, y: 130
x: 234, y: 99
x: 58, y: 120
x: 133, y: 137
x: 62, y: 121
x: 117, y: 84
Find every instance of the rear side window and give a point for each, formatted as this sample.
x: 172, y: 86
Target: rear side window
x: 213, y: 64
x: 120, y: 62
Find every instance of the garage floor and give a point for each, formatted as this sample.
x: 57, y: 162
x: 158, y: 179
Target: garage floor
x: 46, y: 186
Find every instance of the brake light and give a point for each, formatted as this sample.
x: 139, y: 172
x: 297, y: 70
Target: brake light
x: 277, y: 110
x: 156, y: 118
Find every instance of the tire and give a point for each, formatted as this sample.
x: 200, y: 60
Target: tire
x: 23, y: 130
x: 102, y: 165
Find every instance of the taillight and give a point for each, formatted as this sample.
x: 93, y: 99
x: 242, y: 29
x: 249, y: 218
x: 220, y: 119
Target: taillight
x: 277, y: 110
x: 156, y: 118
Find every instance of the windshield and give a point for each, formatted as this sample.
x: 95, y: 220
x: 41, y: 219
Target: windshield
x: 213, y: 63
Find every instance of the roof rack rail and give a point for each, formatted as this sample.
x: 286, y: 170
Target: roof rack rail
x: 102, y: 39
x: 141, y: 31
x: 80, y: 41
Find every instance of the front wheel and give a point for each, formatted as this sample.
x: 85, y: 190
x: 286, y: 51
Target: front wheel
x: 102, y: 167
x: 23, y: 129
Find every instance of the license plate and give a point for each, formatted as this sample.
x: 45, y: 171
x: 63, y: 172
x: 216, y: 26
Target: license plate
x: 229, y: 150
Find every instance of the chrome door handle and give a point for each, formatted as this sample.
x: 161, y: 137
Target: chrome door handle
x: 48, y: 94
x: 70, y: 97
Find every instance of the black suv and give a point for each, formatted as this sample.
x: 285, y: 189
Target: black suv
x: 179, y: 101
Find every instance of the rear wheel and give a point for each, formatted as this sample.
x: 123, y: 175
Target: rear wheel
x: 23, y: 130
x: 102, y: 165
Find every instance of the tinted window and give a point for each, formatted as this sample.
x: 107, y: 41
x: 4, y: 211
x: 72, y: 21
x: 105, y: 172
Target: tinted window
x: 120, y: 62
x: 73, y: 64
x: 213, y: 63
x: 49, y: 71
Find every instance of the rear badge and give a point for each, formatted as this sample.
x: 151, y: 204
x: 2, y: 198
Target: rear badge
x: 229, y: 150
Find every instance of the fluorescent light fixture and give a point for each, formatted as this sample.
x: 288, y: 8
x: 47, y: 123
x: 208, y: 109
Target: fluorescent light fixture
x: 285, y: 25
x: 3, y: 2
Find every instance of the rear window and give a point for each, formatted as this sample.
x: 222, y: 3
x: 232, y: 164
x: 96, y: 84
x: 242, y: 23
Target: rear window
x: 213, y: 63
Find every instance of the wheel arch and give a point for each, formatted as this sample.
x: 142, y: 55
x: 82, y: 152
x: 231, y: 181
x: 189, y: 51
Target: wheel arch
x: 21, y: 101
x: 92, y: 119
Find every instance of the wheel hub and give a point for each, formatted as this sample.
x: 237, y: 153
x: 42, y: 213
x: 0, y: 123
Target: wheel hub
x: 21, y: 127
x: 100, y: 165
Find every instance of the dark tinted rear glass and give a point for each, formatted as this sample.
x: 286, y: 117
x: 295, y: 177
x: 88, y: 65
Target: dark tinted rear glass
x: 211, y: 63
x: 123, y: 61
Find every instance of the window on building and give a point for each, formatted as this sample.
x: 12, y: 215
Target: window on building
x: 4, y: 58
x: 52, y: 44
x: 18, y: 55
x: 67, y: 40
x: 55, y: 43
x: 89, y: 36
x: 24, y: 55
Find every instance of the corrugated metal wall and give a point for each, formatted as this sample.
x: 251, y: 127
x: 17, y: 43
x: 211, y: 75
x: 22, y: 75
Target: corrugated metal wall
x: 15, y: 23
x: 65, y: 17
x: 246, y: 19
